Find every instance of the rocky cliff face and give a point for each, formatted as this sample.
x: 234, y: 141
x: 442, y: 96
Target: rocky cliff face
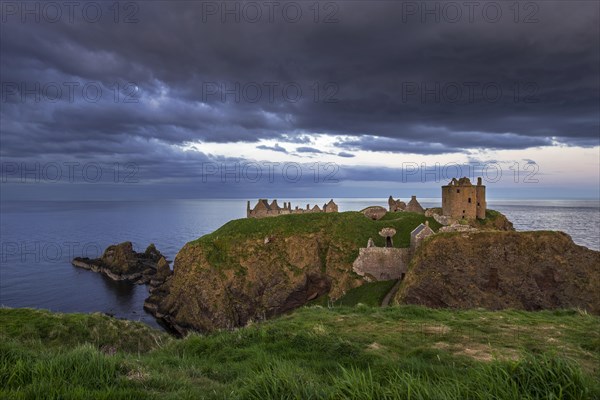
x: 497, y: 270
x: 270, y: 277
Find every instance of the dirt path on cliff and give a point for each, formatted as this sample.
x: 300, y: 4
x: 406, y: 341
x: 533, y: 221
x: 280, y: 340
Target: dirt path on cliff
x: 390, y: 295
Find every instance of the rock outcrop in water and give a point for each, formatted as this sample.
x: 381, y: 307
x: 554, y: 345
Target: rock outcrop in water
x: 121, y: 263
x: 498, y: 270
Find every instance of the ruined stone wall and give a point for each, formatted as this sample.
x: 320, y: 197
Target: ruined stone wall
x: 382, y: 263
x: 262, y: 213
x: 396, y: 205
x: 262, y: 209
x: 267, y: 213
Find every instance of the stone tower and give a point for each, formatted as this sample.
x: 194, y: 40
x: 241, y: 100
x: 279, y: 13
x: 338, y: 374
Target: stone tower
x: 460, y: 199
x: 481, y: 203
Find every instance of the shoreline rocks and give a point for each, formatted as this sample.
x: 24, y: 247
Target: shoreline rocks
x: 121, y: 263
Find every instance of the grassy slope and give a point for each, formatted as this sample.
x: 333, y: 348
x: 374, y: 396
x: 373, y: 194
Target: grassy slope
x: 351, y: 228
x: 347, y: 352
x: 369, y: 294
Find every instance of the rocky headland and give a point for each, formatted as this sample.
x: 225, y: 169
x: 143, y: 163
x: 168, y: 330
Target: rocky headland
x: 254, y: 269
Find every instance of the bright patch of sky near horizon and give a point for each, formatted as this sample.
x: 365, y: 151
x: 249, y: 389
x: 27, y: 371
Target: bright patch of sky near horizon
x: 558, y: 165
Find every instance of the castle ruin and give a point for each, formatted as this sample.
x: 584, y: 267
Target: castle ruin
x: 382, y: 263
x: 460, y: 199
x: 263, y: 209
x: 398, y: 205
x: 389, y: 262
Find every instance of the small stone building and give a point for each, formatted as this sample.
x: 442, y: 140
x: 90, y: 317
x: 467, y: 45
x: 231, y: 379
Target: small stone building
x: 419, y: 234
x: 460, y: 199
x: 414, y: 206
x: 330, y: 207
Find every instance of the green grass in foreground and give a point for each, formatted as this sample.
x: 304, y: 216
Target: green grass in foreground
x: 347, y: 352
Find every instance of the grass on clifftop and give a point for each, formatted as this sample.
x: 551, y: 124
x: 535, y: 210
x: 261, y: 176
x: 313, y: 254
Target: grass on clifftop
x: 313, y: 353
x: 351, y: 229
x: 348, y: 226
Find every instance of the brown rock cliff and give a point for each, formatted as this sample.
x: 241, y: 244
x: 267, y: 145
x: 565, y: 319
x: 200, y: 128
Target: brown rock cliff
x: 497, y: 270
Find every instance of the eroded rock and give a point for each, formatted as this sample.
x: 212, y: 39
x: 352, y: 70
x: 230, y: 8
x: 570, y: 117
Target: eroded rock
x: 121, y: 263
x: 503, y: 269
x: 270, y: 280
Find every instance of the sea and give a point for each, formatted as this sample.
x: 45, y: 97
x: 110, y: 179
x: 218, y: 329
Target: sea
x: 39, y: 239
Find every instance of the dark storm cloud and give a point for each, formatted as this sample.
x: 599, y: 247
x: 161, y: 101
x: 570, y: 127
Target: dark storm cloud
x: 276, y: 147
x: 388, y: 145
x: 298, y: 139
x: 375, y: 72
x: 305, y: 149
x: 345, y: 154
x: 461, y: 140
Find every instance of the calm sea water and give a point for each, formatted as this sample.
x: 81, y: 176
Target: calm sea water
x: 39, y: 239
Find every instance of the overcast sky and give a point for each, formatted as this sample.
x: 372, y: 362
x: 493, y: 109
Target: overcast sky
x: 268, y: 99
